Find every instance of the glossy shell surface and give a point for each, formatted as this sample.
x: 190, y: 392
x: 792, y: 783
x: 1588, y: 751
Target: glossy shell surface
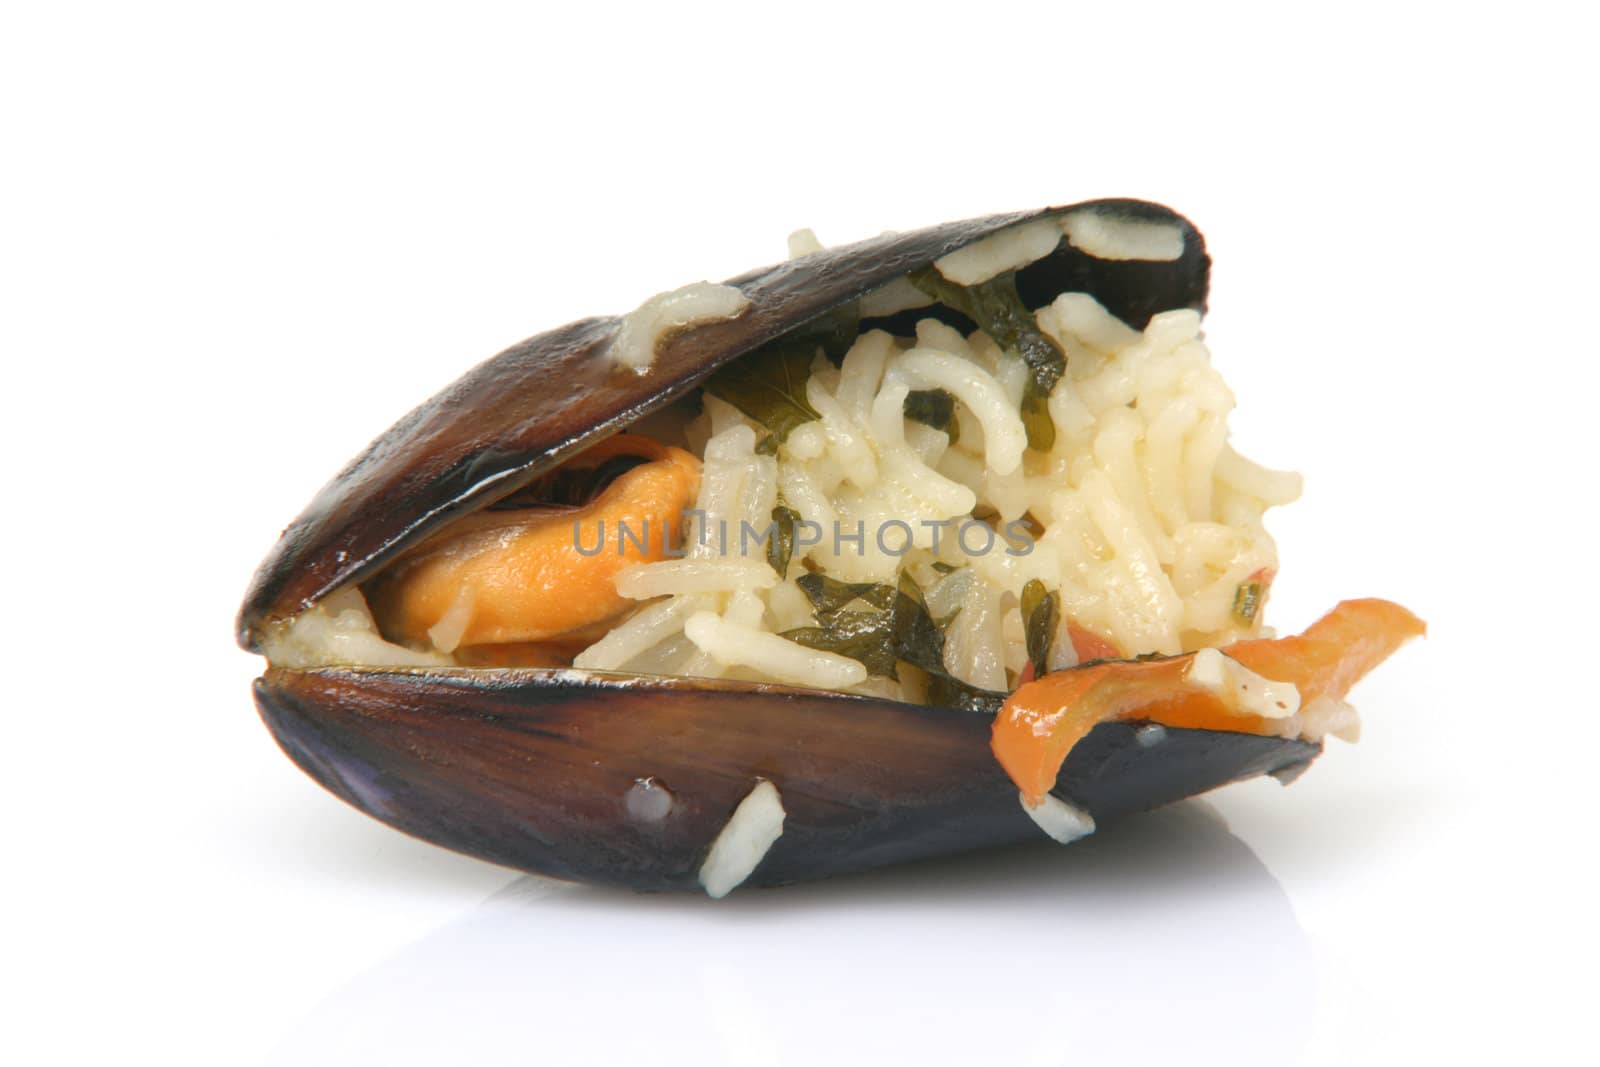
x: 534, y: 769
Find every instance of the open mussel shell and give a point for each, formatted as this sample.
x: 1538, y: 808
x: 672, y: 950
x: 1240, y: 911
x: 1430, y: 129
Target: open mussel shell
x: 625, y: 780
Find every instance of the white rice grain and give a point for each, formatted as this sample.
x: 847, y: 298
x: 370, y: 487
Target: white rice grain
x: 1010, y: 248
x: 682, y: 577
x: 803, y: 242
x: 1269, y: 486
x: 642, y: 631
x: 1063, y: 822
x: 744, y: 841
x: 1241, y: 688
x: 734, y: 645
x: 1111, y: 237
x: 634, y: 345
x: 340, y: 630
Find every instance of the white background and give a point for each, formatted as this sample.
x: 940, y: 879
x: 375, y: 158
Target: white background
x: 238, y: 241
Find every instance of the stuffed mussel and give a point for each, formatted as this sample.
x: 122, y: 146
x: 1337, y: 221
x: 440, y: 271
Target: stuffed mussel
x: 922, y: 544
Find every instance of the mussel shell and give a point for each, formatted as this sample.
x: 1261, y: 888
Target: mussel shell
x: 532, y: 769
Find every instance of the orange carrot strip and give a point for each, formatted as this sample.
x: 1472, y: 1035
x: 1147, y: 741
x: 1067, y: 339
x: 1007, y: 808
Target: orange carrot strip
x: 1041, y: 722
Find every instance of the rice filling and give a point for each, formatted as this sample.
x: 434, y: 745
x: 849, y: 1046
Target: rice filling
x: 1140, y: 518
x: 926, y: 516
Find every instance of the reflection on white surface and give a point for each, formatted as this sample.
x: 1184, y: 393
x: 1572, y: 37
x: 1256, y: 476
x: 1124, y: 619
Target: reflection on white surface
x: 1164, y: 937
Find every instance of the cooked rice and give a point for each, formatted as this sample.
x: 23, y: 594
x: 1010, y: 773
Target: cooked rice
x: 1151, y: 521
x: 336, y: 632
x: 1065, y: 823
x: 1013, y: 247
x: 1110, y: 237
x: 745, y: 840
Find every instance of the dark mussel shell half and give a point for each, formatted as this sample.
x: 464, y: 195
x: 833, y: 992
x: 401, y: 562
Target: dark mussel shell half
x: 543, y: 770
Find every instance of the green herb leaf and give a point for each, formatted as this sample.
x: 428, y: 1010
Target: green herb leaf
x: 829, y: 595
x: 1041, y: 612
x: 936, y: 408
x: 895, y: 628
x: 860, y: 635
x: 949, y: 692
x: 780, y: 549
x: 834, y: 332
x: 769, y: 384
x: 918, y: 640
x: 999, y: 312
x: 1036, y: 420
